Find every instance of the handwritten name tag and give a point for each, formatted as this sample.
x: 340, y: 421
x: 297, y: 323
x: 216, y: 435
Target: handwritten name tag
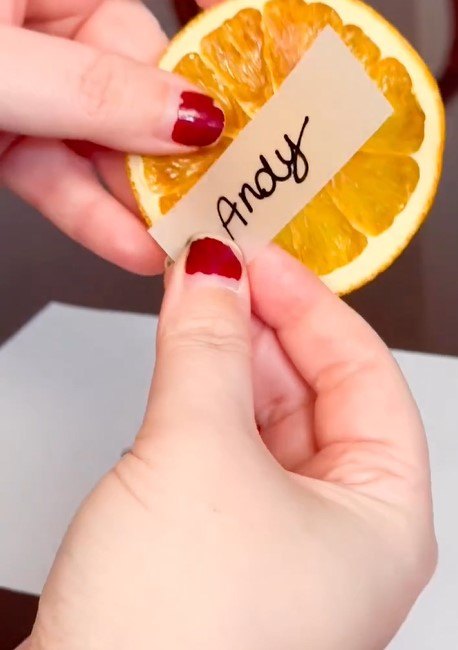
x: 322, y: 115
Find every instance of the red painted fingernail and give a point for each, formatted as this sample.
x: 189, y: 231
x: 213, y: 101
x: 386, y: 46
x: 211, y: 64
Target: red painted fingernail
x: 200, y: 122
x: 213, y: 257
x: 83, y: 148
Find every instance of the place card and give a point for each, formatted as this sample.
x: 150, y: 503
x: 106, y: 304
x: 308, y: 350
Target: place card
x: 324, y: 112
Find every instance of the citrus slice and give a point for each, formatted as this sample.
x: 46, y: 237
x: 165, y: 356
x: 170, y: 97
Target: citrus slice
x: 240, y: 52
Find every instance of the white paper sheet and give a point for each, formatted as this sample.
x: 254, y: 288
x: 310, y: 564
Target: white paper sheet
x: 73, y: 386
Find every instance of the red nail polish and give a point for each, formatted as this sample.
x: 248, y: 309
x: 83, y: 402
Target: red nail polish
x: 200, y: 122
x: 213, y: 257
x: 83, y: 148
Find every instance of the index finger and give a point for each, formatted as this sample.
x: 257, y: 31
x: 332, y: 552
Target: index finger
x: 68, y: 90
x: 367, y: 426
x: 126, y: 28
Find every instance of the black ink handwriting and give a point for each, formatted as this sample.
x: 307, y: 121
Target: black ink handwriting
x: 266, y: 181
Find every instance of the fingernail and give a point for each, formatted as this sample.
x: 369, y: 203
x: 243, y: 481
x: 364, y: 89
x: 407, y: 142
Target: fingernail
x: 168, y: 263
x: 200, y: 122
x: 83, y: 148
x: 213, y: 257
x: 167, y: 266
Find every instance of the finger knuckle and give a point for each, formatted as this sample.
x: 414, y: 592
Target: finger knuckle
x: 210, y: 333
x: 101, y: 86
x: 81, y: 219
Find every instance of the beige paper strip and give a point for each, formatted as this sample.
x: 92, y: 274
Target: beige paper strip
x: 324, y: 112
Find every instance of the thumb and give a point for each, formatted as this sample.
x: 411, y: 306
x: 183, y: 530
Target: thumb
x: 64, y: 89
x: 202, y: 383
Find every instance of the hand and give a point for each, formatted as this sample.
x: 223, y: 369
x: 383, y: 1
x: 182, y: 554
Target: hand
x: 317, y: 533
x: 82, y: 70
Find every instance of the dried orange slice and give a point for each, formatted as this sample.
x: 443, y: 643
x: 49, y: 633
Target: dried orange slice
x: 240, y: 52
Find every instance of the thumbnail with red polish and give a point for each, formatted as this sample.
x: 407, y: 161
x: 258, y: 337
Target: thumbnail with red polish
x: 200, y: 122
x: 213, y: 257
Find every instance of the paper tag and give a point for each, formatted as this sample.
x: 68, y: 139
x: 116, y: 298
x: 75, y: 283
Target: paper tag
x: 324, y: 112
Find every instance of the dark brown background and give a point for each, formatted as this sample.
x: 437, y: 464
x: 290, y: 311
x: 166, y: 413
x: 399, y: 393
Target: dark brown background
x: 414, y: 305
